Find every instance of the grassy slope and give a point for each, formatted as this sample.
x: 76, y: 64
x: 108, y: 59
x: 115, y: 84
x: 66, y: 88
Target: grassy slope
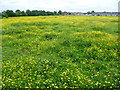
x: 60, y: 52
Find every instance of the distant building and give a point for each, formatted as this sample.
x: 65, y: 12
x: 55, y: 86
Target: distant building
x: 72, y: 13
x: 93, y: 14
x: 105, y: 14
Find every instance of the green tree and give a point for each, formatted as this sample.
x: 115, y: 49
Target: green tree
x: 35, y: 13
x: 49, y: 13
x: 92, y: 11
x: 23, y: 13
x: 9, y: 13
x: 18, y: 13
x: 59, y: 12
x: 28, y: 12
x: 88, y: 12
x: 44, y: 13
x: 4, y: 14
x: 55, y: 13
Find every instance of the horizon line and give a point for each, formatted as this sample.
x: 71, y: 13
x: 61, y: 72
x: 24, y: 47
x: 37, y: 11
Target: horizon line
x: 58, y: 10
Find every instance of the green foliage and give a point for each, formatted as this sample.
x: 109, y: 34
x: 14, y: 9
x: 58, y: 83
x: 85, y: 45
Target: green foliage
x: 88, y: 12
x: 3, y: 14
x: 59, y: 12
x: 92, y: 11
x: 28, y: 12
x: 10, y: 13
x: 18, y: 13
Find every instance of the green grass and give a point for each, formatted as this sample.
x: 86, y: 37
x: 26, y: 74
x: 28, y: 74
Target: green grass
x: 60, y: 52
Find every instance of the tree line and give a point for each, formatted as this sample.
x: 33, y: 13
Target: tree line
x: 11, y: 13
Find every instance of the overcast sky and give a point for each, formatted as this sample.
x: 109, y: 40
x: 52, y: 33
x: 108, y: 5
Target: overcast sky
x: 64, y: 5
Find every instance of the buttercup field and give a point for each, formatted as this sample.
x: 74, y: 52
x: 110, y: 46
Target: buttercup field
x: 60, y: 52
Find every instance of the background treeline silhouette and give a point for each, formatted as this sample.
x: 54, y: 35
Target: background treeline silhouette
x: 11, y: 13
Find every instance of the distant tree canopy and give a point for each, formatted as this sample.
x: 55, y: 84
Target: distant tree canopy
x: 11, y: 13
x: 90, y: 12
x: 18, y: 13
x: 8, y: 13
x: 59, y: 12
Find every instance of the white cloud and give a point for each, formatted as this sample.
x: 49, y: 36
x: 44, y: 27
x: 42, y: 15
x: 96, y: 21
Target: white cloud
x: 64, y: 5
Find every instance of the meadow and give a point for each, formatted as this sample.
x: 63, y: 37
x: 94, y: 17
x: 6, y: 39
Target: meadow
x: 60, y: 52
